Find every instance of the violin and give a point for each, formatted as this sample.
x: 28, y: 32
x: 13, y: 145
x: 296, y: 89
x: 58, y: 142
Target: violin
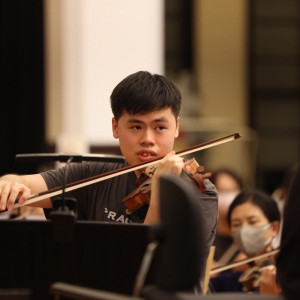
x: 141, y: 196
x: 250, y: 279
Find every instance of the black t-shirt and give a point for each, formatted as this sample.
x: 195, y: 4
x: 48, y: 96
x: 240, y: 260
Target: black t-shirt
x: 96, y: 202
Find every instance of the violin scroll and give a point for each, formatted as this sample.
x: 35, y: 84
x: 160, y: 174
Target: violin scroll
x: 195, y: 173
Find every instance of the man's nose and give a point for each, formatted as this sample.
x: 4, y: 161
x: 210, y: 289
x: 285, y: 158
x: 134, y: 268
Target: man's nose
x: 147, y: 137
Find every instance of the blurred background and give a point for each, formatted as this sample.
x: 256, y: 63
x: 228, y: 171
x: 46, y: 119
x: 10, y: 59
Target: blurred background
x: 237, y: 63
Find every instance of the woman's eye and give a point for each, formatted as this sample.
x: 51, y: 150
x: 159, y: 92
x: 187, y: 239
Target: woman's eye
x: 235, y: 225
x: 253, y: 221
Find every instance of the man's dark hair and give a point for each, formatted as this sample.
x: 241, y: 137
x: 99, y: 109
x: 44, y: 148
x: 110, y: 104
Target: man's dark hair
x: 142, y: 92
x: 260, y: 199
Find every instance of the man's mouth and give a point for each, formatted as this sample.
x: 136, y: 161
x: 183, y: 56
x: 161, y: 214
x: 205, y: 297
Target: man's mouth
x: 146, y: 155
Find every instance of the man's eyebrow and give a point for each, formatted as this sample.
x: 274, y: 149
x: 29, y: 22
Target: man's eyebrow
x: 134, y: 121
x: 162, y: 119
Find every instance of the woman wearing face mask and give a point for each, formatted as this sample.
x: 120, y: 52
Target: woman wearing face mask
x: 254, y: 221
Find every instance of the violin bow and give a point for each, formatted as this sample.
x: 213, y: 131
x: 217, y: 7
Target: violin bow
x: 98, y: 178
x: 243, y: 262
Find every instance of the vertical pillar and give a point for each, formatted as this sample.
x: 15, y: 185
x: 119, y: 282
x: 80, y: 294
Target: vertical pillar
x: 90, y: 46
x: 220, y: 53
x: 64, y: 77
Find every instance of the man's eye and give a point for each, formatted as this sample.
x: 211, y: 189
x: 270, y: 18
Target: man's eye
x: 135, y: 127
x: 159, y: 128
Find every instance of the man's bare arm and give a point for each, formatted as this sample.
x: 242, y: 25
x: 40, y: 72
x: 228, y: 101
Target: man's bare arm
x: 13, y: 187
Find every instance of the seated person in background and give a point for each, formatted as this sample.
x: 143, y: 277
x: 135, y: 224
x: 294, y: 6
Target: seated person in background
x: 229, y: 185
x: 254, y: 221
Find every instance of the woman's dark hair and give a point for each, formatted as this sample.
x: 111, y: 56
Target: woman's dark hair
x: 214, y: 176
x: 260, y: 199
x: 142, y: 92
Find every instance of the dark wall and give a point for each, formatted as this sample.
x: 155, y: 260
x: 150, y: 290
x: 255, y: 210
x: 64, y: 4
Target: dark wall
x: 274, y: 83
x: 178, y: 36
x: 22, y: 83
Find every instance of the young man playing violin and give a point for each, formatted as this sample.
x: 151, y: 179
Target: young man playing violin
x: 146, y: 121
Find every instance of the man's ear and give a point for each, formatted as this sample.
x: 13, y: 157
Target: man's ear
x: 177, y: 127
x: 115, y: 128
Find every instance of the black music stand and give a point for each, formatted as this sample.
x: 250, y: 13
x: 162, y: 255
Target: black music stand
x: 180, y: 258
x: 100, y: 256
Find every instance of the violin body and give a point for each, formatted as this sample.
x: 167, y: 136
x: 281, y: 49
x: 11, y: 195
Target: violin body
x: 141, y: 196
x: 250, y: 279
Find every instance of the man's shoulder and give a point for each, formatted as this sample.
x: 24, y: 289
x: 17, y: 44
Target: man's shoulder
x: 102, y: 166
x: 82, y: 170
x: 210, y: 187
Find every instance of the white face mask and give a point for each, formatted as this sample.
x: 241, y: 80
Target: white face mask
x: 251, y: 239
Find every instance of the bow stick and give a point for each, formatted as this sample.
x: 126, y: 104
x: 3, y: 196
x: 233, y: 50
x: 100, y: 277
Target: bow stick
x: 95, y: 179
x: 243, y: 262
